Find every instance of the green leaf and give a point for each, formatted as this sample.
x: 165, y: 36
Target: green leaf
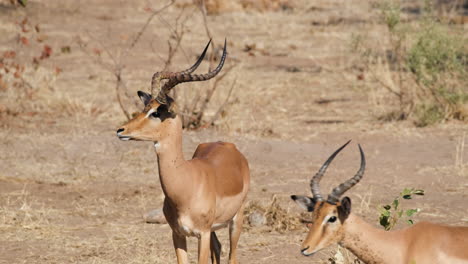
x: 407, y: 196
x: 409, y: 221
x: 396, y: 202
x: 419, y: 192
x: 411, y: 212
x: 406, y: 191
x: 384, y: 222
x: 387, y: 207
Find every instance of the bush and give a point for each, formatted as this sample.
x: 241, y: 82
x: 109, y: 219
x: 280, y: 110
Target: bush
x: 426, y: 67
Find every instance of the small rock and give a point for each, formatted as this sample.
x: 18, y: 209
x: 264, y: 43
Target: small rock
x: 257, y: 219
x: 155, y: 217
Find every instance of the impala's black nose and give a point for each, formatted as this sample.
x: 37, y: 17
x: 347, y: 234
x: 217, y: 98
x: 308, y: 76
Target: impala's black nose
x: 120, y: 130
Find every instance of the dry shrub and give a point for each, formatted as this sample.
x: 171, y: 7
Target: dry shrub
x: 193, y: 105
x: 277, y: 218
x: 24, y: 70
x: 423, y: 67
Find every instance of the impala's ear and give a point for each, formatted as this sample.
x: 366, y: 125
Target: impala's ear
x: 144, y: 97
x: 304, y: 202
x: 344, y: 209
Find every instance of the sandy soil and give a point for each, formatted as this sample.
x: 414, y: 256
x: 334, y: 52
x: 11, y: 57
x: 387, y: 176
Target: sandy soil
x: 71, y: 192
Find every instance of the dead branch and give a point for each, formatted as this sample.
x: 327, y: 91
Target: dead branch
x: 143, y: 28
x: 116, y: 68
x: 223, y: 105
x: 118, y: 84
x: 210, y: 93
x: 177, y: 33
x: 202, y: 8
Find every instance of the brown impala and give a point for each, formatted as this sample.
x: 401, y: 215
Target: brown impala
x: 203, y: 194
x: 333, y: 222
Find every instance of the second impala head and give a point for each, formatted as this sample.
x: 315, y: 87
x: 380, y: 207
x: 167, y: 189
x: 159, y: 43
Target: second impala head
x: 328, y: 216
x: 150, y: 124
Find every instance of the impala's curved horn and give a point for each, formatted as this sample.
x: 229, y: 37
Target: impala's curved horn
x: 158, y: 76
x: 334, y: 197
x: 314, y: 183
x: 180, y: 77
x: 199, y: 61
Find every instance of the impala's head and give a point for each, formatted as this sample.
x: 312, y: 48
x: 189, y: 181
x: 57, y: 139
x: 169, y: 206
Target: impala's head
x: 328, y: 216
x: 159, y: 112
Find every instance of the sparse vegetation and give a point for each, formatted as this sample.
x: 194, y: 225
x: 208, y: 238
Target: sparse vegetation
x: 70, y: 192
x: 24, y: 73
x: 425, y: 66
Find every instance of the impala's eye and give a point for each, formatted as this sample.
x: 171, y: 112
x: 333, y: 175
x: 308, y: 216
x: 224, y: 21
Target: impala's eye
x: 155, y: 114
x: 332, y: 219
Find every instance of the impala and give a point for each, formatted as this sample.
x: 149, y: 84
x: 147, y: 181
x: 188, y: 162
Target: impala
x: 333, y: 222
x: 203, y: 194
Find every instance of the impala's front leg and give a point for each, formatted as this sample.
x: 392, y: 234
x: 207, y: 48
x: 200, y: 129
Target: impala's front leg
x: 180, y: 246
x: 204, y: 247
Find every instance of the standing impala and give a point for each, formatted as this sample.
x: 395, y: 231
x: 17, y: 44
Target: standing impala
x: 333, y: 222
x: 203, y: 194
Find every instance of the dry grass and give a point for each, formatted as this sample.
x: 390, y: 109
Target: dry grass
x: 276, y: 217
x: 460, y: 164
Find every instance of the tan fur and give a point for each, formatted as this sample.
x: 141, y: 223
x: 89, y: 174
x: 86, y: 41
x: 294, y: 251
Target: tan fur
x: 422, y: 243
x: 202, y: 194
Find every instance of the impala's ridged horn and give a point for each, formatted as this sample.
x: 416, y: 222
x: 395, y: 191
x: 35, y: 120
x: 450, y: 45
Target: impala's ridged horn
x: 158, y: 76
x: 184, y: 76
x: 314, y: 183
x: 334, y: 197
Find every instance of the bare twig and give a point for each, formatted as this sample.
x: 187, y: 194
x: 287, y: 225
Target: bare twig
x: 202, y: 8
x: 178, y: 33
x: 386, y: 86
x: 210, y: 93
x: 118, y: 84
x: 223, y: 106
x: 143, y: 29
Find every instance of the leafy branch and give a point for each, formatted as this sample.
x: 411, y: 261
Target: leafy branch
x: 390, y: 214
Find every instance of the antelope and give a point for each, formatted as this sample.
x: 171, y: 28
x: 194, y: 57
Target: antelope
x: 203, y: 194
x: 332, y: 223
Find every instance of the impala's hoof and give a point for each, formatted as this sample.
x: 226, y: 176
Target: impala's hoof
x: 155, y: 217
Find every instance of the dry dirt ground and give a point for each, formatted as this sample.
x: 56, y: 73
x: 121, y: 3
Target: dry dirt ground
x: 71, y: 192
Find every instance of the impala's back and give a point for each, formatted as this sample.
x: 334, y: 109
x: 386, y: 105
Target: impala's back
x: 435, y: 243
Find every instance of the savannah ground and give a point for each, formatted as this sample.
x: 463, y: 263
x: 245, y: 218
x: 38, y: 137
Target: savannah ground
x: 71, y: 192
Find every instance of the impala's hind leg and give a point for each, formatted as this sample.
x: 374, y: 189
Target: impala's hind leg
x: 215, y: 247
x: 235, y: 228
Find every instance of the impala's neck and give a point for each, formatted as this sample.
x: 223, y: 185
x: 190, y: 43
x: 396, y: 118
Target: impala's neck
x: 370, y: 244
x: 171, y: 162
